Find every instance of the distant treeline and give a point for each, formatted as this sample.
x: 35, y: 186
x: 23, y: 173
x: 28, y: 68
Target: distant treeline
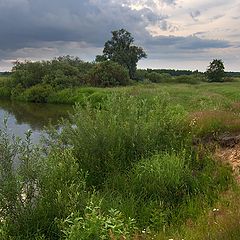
x: 172, y: 72
x: 5, y: 73
x: 232, y: 74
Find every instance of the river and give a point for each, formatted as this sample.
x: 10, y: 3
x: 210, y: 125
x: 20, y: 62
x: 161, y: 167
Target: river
x: 22, y: 117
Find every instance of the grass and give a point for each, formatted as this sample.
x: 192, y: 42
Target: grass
x: 126, y: 164
x: 221, y: 221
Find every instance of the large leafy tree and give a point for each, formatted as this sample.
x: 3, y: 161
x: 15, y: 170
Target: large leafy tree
x: 215, y: 71
x: 120, y: 49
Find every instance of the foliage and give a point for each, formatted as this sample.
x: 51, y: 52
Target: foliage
x: 172, y: 72
x: 72, y: 95
x: 35, y: 190
x: 158, y: 77
x: 5, y: 92
x: 108, y: 74
x: 60, y: 72
x: 38, y: 93
x: 215, y: 71
x: 120, y: 49
x: 164, y: 177
x: 96, y: 225
x: 125, y: 130
x: 126, y: 153
x: 190, y: 79
x: 27, y: 73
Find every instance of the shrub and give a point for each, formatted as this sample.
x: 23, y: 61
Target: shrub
x: 27, y: 73
x: 5, y: 92
x: 190, y: 79
x: 37, y: 191
x: 124, y: 130
x: 158, y: 77
x: 38, y: 93
x: 17, y: 91
x: 94, y: 224
x: 108, y: 74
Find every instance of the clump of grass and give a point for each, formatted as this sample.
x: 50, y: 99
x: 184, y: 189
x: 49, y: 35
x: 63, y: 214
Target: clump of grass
x: 124, y: 130
x: 221, y: 221
x: 163, y: 177
x: 214, y: 122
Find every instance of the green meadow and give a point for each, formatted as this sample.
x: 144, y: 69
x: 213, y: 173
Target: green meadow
x: 131, y: 162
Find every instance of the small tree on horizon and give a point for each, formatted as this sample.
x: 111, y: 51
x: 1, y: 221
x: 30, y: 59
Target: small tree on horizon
x: 120, y: 49
x: 215, y: 71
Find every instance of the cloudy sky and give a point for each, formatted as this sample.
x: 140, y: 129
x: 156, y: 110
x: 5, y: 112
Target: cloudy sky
x: 183, y: 34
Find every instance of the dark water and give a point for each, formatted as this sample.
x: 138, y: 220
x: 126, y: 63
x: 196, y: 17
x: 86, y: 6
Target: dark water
x: 24, y: 116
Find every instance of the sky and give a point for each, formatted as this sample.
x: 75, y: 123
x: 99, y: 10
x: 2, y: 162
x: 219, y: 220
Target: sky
x: 179, y: 34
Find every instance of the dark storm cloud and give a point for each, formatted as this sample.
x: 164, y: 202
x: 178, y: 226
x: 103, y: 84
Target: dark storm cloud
x: 29, y: 23
x: 187, y: 43
x: 25, y: 23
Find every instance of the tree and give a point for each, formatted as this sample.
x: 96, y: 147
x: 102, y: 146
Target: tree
x: 120, y: 49
x: 215, y: 71
x: 108, y: 74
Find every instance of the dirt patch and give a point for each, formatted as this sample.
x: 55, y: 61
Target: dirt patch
x: 231, y: 156
x: 235, y: 106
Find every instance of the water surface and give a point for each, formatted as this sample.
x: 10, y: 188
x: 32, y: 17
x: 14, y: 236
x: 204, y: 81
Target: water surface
x: 22, y: 117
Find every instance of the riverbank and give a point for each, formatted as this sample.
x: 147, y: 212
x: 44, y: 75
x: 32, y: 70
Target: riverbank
x: 193, y: 96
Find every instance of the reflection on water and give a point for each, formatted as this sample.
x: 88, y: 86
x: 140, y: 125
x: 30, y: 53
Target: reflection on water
x: 25, y: 116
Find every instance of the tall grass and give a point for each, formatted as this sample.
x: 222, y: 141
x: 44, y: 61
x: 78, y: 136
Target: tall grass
x: 122, y: 131
x: 138, y: 153
x: 118, y: 168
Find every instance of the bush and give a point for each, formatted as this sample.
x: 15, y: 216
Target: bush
x: 158, y: 77
x: 38, y: 93
x: 17, y: 91
x: 190, y: 79
x: 27, y: 73
x: 5, y: 92
x: 37, y: 191
x: 124, y: 130
x: 94, y: 224
x: 108, y: 74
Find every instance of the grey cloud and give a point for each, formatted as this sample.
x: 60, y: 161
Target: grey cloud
x: 59, y: 20
x: 170, y: 2
x: 195, y: 14
x: 217, y: 17
x: 179, y: 44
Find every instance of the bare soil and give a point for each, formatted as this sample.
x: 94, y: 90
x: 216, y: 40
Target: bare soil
x: 229, y: 152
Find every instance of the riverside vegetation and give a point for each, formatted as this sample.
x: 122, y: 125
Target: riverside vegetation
x: 125, y: 165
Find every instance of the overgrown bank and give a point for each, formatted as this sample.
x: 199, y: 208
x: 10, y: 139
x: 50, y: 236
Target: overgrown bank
x: 126, y: 167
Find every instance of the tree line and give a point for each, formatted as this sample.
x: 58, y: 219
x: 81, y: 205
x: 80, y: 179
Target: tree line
x: 117, y: 66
